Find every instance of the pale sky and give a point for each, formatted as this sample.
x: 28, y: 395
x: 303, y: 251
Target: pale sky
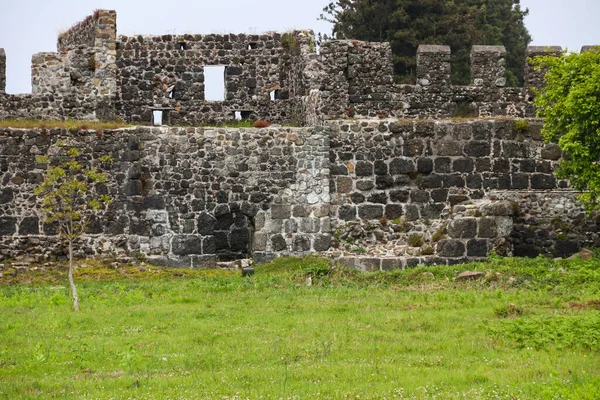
x: 31, y: 26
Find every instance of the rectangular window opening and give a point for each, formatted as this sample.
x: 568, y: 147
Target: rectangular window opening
x: 157, y: 117
x: 181, y: 46
x: 214, y: 82
x: 274, y: 95
x: 242, y: 115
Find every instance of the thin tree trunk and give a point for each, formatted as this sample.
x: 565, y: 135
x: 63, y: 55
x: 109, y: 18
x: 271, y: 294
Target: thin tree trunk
x: 71, y: 281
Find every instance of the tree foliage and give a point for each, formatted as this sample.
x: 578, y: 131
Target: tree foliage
x: 570, y: 103
x: 71, y: 193
x: 458, y: 23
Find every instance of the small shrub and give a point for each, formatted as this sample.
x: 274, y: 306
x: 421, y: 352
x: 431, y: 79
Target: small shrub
x: 288, y: 41
x: 415, y: 240
x: 261, y: 123
x: 522, y: 126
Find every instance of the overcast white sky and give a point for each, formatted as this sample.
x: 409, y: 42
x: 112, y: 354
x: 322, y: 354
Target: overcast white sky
x: 31, y: 26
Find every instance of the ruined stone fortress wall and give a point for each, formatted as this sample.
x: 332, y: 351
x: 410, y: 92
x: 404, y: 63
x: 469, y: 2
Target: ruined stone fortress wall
x: 191, y: 195
x: 182, y: 194
x: 377, y: 177
x: 273, y: 76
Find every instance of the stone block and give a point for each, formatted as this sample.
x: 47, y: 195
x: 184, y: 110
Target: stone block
x: 6, y: 195
x: 259, y: 242
x: 391, y: 264
x: 281, y: 211
x: 183, y: 245
x: 543, y: 181
x: 419, y: 196
x: 393, y: 211
x: 380, y: 197
x: 240, y: 239
x: 381, y: 168
x: 8, y: 226
x: 347, y: 213
x: 370, y: 211
x: 443, y: 165
x: 487, y: 228
x: 462, y: 228
x: 526, y: 250
x: 367, y: 264
x: 477, y: 148
x: 449, y: 148
x: 498, y: 208
x: 433, y: 181
x: 301, y: 243
x: 364, y: 168
x: 565, y: 248
x: 365, y: 185
x: 424, y: 165
x: 322, y: 242
x: 348, y: 262
x: 450, y: 248
x: 463, y: 165
x: 29, y: 226
x: 310, y: 225
x: 412, y: 212
x: 344, y: 184
x: 401, y: 166
x: 400, y: 196
x: 209, y: 245
x: 278, y: 243
x: 477, y: 248
x: 357, y: 198
x: 302, y: 210
x: 384, y: 182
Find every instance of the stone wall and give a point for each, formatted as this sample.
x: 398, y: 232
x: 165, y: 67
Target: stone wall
x: 357, y: 81
x: 79, y: 81
x: 167, y: 73
x: 181, y: 195
x: 402, y: 192
x: 81, y: 34
x: 391, y: 180
x: 272, y: 76
x: 2, y: 71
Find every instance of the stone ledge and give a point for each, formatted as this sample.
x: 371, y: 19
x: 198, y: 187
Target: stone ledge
x: 369, y: 264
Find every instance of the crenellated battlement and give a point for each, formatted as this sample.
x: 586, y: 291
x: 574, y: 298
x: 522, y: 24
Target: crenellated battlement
x: 278, y: 77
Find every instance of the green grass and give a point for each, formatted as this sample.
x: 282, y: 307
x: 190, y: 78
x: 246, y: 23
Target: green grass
x: 529, y: 330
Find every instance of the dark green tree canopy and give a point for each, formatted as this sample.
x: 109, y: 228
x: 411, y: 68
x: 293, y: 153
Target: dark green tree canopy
x: 458, y: 23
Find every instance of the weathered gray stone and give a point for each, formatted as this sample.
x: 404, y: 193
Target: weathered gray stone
x: 183, y: 245
x: 451, y: 248
x: 463, y: 228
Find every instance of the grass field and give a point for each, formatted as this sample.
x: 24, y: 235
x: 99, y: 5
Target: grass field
x: 530, y: 329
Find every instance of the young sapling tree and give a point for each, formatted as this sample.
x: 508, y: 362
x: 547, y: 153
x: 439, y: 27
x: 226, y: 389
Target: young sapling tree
x: 71, y: 193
